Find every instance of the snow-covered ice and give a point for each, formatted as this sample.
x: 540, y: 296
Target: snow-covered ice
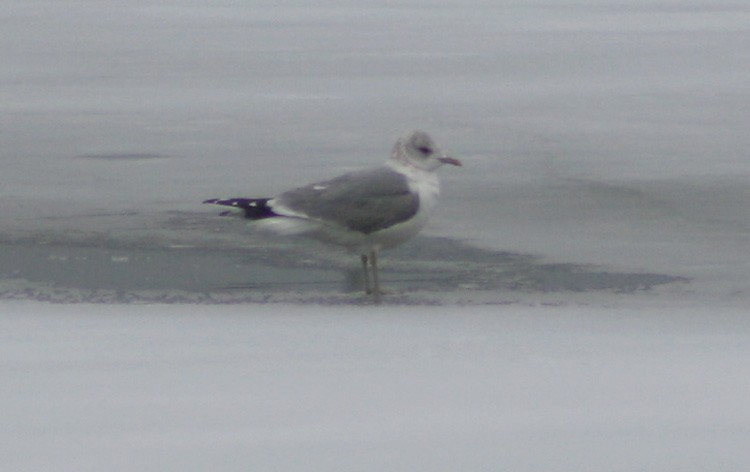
x: 293, y: 387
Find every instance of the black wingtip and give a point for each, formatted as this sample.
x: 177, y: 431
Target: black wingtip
x: 255, y: 208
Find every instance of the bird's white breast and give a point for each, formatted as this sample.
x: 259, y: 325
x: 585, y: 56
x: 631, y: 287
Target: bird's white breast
x: 427, y: 186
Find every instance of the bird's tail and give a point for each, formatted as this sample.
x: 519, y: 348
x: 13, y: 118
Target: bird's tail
x: 254, y: 208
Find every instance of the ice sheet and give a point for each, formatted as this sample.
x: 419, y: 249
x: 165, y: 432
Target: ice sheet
x: 605, y: 133
x: 580, y: 303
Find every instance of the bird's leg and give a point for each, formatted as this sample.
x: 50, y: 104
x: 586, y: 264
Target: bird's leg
x: 375, y: 278
x: 363, y: 257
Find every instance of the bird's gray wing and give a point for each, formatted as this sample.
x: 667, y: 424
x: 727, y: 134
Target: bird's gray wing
x: 365, y: 201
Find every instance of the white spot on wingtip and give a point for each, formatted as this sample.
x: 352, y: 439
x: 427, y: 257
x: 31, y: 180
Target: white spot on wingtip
x: 320, y: 187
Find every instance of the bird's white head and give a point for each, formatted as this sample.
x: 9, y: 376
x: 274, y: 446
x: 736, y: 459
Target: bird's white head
x: 417, y: 149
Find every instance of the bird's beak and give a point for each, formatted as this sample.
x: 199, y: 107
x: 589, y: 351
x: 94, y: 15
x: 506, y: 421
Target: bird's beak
x: 450, y: 160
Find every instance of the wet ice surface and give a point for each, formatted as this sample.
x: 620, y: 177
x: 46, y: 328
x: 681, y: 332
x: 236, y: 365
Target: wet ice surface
x: 120, y: 273
x: 202, y: 258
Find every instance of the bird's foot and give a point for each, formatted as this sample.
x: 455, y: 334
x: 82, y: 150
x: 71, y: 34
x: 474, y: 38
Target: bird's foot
x: 377, y: 295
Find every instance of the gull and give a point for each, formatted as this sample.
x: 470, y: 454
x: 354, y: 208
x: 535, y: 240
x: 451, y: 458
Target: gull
x: 364, y: 211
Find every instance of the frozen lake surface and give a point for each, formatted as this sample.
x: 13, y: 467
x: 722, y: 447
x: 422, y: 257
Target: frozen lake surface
x: 608, y: 133
x: 577, y: 302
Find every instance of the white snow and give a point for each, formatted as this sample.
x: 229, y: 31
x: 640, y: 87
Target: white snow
x: 643, y: 386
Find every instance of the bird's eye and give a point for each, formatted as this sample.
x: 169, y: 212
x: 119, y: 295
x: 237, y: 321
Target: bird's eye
x: 424, y: 150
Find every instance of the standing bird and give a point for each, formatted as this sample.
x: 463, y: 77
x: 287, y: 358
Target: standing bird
x: 364, y: 211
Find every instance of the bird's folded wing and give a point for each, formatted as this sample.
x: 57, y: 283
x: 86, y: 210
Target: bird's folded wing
x: 364, y: 201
